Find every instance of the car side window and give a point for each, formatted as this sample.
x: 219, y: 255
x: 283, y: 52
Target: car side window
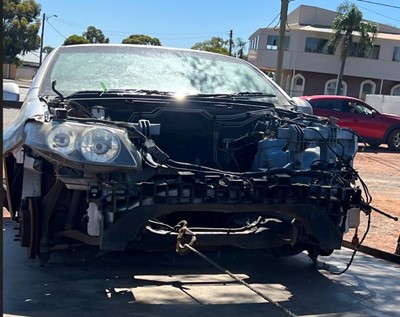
x: 322, y: 104
x: 348, y: 106
x: 359, y: 108
x: 354, y: 108
x: 338, y: 105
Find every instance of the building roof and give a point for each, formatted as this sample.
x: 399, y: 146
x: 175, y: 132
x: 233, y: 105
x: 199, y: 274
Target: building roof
x: 310, y: 18
x: 384, y: 36
x: 31, y: 58
x: 319, y: 17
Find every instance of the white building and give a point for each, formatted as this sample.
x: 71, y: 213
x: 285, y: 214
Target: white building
x: 29, y: 65
x: 310, y: 68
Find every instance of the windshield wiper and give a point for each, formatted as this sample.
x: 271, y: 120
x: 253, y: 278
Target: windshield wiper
x: 241, y: 94
x: 121, y: 92
x: 140, y: 91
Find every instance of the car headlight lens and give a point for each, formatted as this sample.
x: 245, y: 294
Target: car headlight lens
x: 100, y: 145
x: 62, y: 139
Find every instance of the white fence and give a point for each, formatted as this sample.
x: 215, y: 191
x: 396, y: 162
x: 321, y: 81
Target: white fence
x: 384, y: 103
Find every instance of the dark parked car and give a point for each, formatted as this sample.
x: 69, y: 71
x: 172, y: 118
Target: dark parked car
x: 373, y: 127
x: 141, y: 147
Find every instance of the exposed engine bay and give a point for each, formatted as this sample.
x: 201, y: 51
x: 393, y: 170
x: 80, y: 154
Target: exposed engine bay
x: 239, y: 173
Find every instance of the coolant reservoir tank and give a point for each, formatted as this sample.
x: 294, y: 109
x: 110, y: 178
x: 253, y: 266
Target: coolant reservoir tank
x: 353, y: 217
x: 98, y: 112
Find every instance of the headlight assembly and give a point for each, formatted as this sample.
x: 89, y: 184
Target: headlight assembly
x: 100, y: 145
x: 62, y: 139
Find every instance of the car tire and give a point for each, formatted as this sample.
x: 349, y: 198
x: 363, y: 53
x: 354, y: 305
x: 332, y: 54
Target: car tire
x: 393, y: 140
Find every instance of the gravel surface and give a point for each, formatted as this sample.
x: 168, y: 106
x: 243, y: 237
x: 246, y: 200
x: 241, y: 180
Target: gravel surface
x: 380, y: 170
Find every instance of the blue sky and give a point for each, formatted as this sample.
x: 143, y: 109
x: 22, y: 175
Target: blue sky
x: 182, y: 23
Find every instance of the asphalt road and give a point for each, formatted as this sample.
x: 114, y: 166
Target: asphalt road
x: 167, y: 284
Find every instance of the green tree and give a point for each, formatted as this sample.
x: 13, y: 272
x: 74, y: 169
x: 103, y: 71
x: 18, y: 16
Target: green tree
x: 239, y: 47
x: 94, y: 35
x: 75, y: 39
x: 349, y: 19
x: 21, y: 25
x: 215, y: 44
x: 47, y: 49
x: 141, y: 39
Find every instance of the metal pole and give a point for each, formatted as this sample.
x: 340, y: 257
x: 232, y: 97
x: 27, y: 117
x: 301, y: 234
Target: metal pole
x: 41, y: 40
x: 281, y: 43
x: 292, y: 82
x: 230, y: 42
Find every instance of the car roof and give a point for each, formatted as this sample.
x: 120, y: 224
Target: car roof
x: 324, y: 97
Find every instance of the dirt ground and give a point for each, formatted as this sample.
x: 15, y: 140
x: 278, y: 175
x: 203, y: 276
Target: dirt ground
x: 380, y: 170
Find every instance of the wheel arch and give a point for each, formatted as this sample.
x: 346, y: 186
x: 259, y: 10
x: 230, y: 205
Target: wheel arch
x: 13, y: 176
x: 390, y: 130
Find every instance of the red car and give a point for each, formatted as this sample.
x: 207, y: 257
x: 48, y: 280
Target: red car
x: 373, y: 127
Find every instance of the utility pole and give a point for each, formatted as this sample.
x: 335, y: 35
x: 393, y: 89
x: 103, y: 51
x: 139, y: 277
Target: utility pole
x: 230, y: 42
x: 41, y: 40
x: 281, y: 41
x: 44, y: 19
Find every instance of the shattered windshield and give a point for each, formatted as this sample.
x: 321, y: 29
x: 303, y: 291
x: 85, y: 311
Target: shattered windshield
x: 102, y: 68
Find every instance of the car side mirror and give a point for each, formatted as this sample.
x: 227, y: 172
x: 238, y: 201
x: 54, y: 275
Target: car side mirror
x: 10, y: 91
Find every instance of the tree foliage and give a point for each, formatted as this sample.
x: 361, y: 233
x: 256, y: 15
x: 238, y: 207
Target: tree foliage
x: 141, y: 39
x: 239, y: 46
x: 75, y: 39
x: 47, y: 49
x: 349, y: 19
x: 21, y: 25
x: 94, y: 35
x: 215, y: 44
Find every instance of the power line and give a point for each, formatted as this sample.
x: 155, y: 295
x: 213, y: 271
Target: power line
x: 71, y: 23
x: 55, y: 29
x: 273, y: 20
x: 122, y: 33
x: 385, y: 16
x: 278, y: 15
x: 380, y: 4
x: 186, y: 38
x: 163, y: 36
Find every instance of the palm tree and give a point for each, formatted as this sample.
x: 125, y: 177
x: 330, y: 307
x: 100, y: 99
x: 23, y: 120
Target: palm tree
x: 347, y: 23
x: 240, y: 44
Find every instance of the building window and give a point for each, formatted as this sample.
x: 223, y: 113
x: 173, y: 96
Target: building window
x: 273, y: 41
x: 356, y: 51
x: 396, y: 54
x: 316, y: 45
x: 367, y: 87
x: 254, y: 43
x: 330, y: 88
x: 395, y: 91
x: 298, y: 86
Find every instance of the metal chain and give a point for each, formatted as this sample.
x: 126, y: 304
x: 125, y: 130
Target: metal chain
x: 224, y: 270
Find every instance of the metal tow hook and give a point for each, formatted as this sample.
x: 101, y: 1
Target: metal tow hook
x: 182, y: 241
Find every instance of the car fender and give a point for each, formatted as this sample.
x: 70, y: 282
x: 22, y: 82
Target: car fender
x: 31, y: 109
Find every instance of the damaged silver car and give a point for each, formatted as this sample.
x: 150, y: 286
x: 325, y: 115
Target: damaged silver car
x: 137, y: 147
